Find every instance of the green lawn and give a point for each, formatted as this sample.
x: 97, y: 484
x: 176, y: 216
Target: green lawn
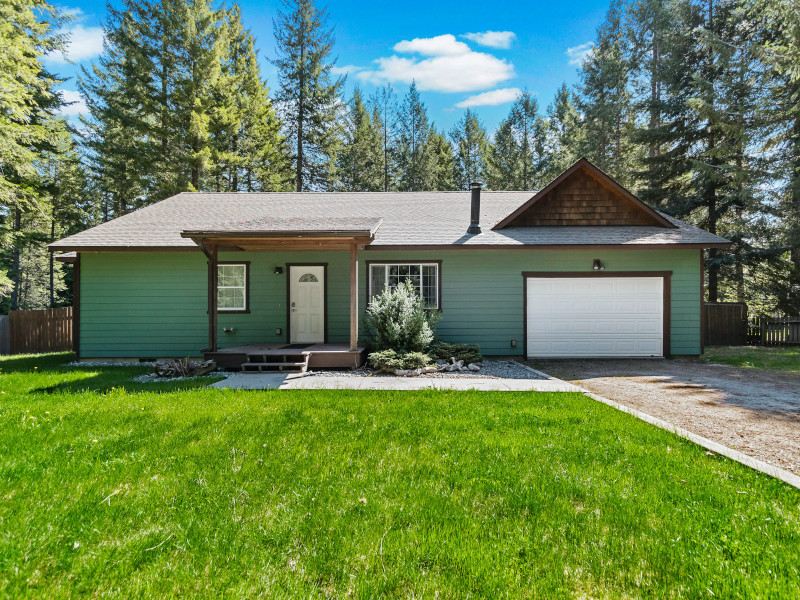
x: 114, y: 490
x: 773, y: 358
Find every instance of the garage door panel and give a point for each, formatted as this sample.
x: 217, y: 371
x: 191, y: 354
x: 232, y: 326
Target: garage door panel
x: 604, y: 316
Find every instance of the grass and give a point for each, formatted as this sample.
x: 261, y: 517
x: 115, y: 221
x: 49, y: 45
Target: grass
x: 772, y: 358
x: 156, y: 490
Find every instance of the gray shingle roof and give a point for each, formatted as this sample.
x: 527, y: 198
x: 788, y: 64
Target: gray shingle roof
x: 408, y: 219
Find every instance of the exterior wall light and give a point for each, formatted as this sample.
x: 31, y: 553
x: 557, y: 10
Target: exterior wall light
x: 598, y: 266
x: 513, y: 343
x: 278, y: 271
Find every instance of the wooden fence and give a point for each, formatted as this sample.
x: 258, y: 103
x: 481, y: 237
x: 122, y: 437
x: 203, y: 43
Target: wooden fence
x: 40, y: 330
x: 774, y: 331
x: 5, y: 341
x: 726, y: 324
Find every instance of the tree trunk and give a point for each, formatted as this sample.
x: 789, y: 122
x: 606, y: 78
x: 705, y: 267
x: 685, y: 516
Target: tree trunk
x: 51, y: 257
x: 15, y: 275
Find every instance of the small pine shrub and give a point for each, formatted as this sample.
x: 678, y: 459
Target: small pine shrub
x: 469, y: 353
x: 399, y: 320
x: 390, y: 361
x: 385, y: 360
x: 415, y: 360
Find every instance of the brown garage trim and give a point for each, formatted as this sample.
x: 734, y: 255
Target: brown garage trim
x: 665, y: 275
x: 438, y: 264
x: 289, y: 266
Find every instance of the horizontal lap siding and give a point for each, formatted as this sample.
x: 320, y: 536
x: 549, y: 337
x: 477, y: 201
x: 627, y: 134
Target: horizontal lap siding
x: 482, y: 291
x: 140, y: 305
x: 154, y: 304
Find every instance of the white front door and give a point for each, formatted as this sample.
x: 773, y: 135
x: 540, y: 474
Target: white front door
x: 595, y: 316
x: 307, y: 304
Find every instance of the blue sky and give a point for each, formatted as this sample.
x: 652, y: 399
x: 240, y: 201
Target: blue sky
x: 462, y: 54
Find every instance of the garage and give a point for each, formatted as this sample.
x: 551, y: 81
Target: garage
x: 596, y: 315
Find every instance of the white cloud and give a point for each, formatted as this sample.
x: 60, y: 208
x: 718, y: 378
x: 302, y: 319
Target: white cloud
x: 84, y: 43
x: 73, y: 110
x: 578, y: 54
x: 492, y: 39
x: 440, y: 45
x: 450, y: 66
x: 493, y: 98
x: 72, y: 11
x: 346, y: 69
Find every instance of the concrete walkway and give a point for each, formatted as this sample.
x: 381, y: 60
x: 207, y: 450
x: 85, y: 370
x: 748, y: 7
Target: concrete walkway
x: 298, y: 381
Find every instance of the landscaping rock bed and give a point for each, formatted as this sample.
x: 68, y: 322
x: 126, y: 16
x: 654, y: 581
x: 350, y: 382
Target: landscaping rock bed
x: 490, y: 369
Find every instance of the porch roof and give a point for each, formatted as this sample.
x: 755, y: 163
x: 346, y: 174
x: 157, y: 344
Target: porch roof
x: 273, y: 227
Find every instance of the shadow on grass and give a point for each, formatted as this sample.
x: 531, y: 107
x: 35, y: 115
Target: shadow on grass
x: 48, y: 374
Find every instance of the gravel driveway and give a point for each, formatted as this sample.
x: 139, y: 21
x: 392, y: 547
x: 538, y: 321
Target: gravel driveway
x: 756, y: 412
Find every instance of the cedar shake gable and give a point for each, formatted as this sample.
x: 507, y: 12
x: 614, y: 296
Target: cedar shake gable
x: 584, y: 196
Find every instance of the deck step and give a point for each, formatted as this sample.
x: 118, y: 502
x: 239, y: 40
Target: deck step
x: 280, y: 367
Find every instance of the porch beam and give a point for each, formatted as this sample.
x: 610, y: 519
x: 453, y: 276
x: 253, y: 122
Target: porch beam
x: 354, y: 296
x: 211, y: 253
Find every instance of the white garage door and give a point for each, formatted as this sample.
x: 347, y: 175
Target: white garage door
x: 595, y: 316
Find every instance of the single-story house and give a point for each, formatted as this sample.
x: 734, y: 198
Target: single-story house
x: 581, y: 268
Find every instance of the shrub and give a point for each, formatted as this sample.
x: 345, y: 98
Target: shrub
x: 469, y: 353
x: 390, y: 361
x: 399, y: 320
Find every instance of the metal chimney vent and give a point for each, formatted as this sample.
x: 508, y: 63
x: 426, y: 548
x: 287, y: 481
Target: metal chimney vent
x: 475, y: 213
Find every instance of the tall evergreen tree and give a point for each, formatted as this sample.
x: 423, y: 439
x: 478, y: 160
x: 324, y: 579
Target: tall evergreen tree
x: 360, y: 164
x: 308, y: 96
x: 415, y: 164
x: 443, y: 162
x: 518, y: 160
x: 472, y: 150
x: 563, y: 133
x: 177, y: 103
x: 505, y: 159
x: 33, y: 140
x: 605, y: 99
x: 384, y: 116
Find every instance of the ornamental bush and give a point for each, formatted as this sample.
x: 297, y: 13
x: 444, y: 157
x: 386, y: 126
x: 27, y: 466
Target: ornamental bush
x: 390, y: 361
x: 469, y: 353
x: 399, y: 320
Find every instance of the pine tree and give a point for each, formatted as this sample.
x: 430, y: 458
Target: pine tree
x: 518, y: 160
x: 308, y: 96
x: 249, y: 151
x: 360, y: 164
x: 29, y: 133
x: 414, y: 160
x: 505, y: 159
x: 443, y: 167
x: 177, y: 103
x: 384, y: 115
x: 472, y: 150
x: 563, y: 132
x: 605, y: 99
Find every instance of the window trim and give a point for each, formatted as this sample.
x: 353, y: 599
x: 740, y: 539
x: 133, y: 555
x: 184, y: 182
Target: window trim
x: 368, y: 264
x: 236, y: 311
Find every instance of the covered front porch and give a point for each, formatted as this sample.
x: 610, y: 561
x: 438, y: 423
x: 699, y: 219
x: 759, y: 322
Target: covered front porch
x: 294, y: 282
x: 288, y: 357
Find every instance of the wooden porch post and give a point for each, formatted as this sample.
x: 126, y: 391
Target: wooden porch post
x: 354, y: 297
x: 211, y: 253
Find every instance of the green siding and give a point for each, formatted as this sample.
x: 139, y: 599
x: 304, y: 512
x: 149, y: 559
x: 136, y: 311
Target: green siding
x: 154, y: 304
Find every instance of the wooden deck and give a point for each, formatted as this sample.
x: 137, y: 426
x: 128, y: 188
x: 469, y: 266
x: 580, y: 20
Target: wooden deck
x: 319, y: 356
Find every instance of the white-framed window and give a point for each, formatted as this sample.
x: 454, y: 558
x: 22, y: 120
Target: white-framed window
x: 232, y: 283
x: 424, y: 276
